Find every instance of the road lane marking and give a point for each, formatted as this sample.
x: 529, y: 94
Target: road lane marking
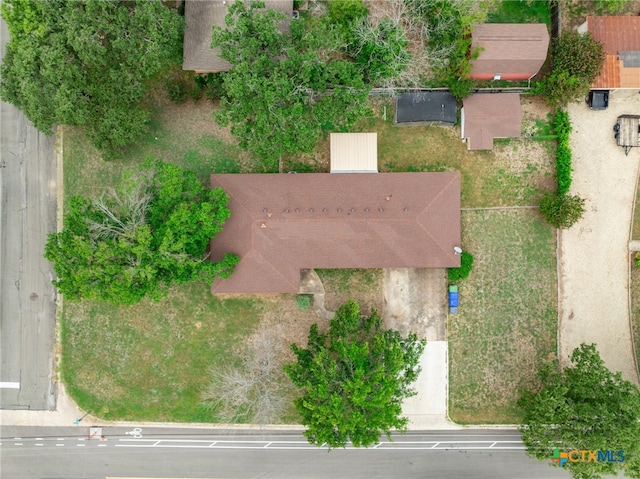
x: 39, y: 444
x: 60, y: 445
x: 17, y: 444
x: 9, y: 385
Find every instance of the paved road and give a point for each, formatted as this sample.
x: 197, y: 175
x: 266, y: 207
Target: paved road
x: 66, y: 453
x: 27, y: 298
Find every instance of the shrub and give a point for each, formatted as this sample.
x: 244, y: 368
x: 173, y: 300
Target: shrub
x: 211, y: 84
x: 303, y: 301
x: 461, y: 88
x: 177, y: 89
x: 346, y: 12
x: 466, y: 264
x: 562, y: 127
x: 561, y: 210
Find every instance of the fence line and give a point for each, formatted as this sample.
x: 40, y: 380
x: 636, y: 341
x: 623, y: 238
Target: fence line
x: 501, y: 208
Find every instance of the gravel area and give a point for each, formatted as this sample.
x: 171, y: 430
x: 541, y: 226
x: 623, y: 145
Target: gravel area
x: 593, y: 297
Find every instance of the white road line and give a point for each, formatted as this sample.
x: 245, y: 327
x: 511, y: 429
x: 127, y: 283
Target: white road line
x: 9, y: 385
x: 39, y: 439
x: 17, y: 444
x: 80, y: 445
x: 492, y: 445
x: 267, y: 444
x: 39, y: 444
x: 102, y: 445
x: 17, y: 439
x: 60, y: 445
x: 435, y: 445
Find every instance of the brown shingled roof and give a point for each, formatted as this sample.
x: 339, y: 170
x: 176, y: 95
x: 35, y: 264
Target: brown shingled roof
x: 283, y: 223
x: 618, y: 34
x: 490, y: 115
x: 200, y: 16
x: 515, y: 51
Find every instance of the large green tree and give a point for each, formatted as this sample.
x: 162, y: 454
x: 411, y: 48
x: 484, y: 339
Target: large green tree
x: 285, y: 89
x: 136, y: 241
x: 87, y: 62
x: 576, y: 60
x: 584, y: 407
x: 354, y: 378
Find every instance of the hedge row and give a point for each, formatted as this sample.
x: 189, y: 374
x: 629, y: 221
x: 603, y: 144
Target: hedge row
x: 562, y: 127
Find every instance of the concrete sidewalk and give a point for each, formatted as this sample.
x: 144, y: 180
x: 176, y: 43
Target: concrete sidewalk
x: 428, y: 408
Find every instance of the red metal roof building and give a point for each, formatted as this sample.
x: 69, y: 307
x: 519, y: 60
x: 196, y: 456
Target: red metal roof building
x: 509, y: 51
x: 282, y: 223
x: 620, y: 36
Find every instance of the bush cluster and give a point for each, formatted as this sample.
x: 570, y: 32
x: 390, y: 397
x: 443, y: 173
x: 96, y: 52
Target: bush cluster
x: 466, y: 264
x: 561, y: 209
x: 562, y: 127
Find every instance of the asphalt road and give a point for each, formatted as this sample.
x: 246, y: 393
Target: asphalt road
x: 68, y: 453
x: 27, y: 298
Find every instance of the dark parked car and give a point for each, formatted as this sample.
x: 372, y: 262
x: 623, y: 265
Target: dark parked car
x: 598, y: 99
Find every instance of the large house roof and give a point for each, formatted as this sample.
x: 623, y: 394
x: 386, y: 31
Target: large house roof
x: 490, y: 115
x: 512, y: 51
x: 282, y: 223
x: 200, y: 16
x: 620, y: 36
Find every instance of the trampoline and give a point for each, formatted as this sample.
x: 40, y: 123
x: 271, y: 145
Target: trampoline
x: 426, y: 107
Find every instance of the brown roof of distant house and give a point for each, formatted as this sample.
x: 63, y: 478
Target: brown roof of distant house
x: 283, y: 223
x: 200, y: 16
x: 514, y: 51
x: 620, y: 36
x: 491, y: 115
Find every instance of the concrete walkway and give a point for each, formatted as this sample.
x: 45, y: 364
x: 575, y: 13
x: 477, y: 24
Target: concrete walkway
x: 593, y: 259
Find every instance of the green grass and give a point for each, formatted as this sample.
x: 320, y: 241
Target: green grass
x: 362, y: 285
x: 507, y: 323
x: 181, y: 134
x: 520, y: 11
x: 516, y: 172
x: 150, y: 361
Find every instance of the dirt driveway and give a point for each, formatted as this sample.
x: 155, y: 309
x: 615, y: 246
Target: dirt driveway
x: 593, y: 297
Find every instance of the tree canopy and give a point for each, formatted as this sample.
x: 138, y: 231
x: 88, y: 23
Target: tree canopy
x: 285, y: 89
x: 136, y: 241
x: 584, y: 407
x: 577, y: 60
x: 87, y: 63
x: 354, y: 378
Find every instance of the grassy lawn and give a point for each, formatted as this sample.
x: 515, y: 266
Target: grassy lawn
x: 508, y: 316
x: 151, y: 361
x: 183, y: 134
x: 341, y: 285
x: 515, y: 172
x: 520, y: 11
